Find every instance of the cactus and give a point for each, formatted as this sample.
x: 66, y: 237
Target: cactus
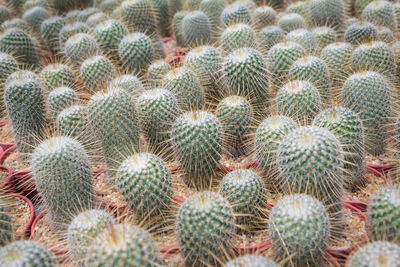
x: 139, y: 15
x: 237, y: 36
x: 213, y: 9
x: 347, y: 126
x: 161, y: 11
x: 350, y: 21
x: 4, y: 14
x: 20, y: 75
x: 314, y: 70
x: 56, y: 75
x: 196, y: 141
x: 27, y: 253
x: 70, y: 29
x: 205, y: 227
x: 177, y: 27
x: 244, y: 190
x: 185, y: 85
x: 124, y: 245
x: 359, y: 6
x: 263, y: 16
x: 235, y: 13
x: 84, y: 229
x: 196, y: 28
x: 15, y: 23
x: 157, y: 71
x: 35, y: 16
x: 25, y: 107
x: 236, y: 114
x: 251, y: 261
x: 8, y: 65
x: 62, y: 174
x: 32, y: 3
x: 375, y: 254
x: 109, y: 34
x: 324, y: 35
x: 303, y: 37
x: 300, y: 229
x: 96, y: 72
x: 383, y: 210
x: 385, y: 35
x: 63, y: 5
x: 96, y: 19
x: 86, y: 13
x: 20, y: 45
x: 268, y: 135
x: 291, y: 22
x: 6, y: 223
x: 270, y: 36
x: 73, y: 16
x: 360, y: 32
x: 50, y: 31
x: 279, y: 59
x: 61, y: 98
x: 80, y: 47
x: 145, y: 183
x: 130, y: 83
x: 327, y: 13
x: 380, y: 13
x: 369, y: 95
x: 310, y: 160
x: 136, y: 52
x: 157, y: 110
x: 73, y: 122
x: 113, y: 119
x: 301, y: 8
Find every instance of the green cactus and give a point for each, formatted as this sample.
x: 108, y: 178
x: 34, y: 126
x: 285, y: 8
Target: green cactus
x: 21, y: 75
x: 32, y: 3
x: 347, y: 126
x: 213, y: 9
x: 35, y: 16
x: 263, y: 16
x: 84, y: 229
x: 245, y: 191
x: 376, y: 254
x: 86, y: 13
x: 73, y: 16
x: 279, y: 60
x: 161, y: 11
x: 70, y: 29
x: 236, y: 115
x: 359, y: 6
x: 300, y: 228
x: 50, y: 30
x: 268, y: 135
x: 4, y: 14
x: 27, y: 253
x: 130, y: 83
x: 73, y: 122
x: 310, y: 160
x: 235, y: 13
x: 6, y: 223
x: 25, y: 105
x: 139, y: 15
x: 383, y: 211
x: 16, y: 5
x: 301, y: 8
x: 96, y: 19
x: 15, y: 23
x: 197, y: 143
x: 251, y: 261
x: 177, y: 27
x: 270, y: 36
x: 56, y: 75
x: 80, y: 47
x: 109, y: 34
x: 196, y: 28
x: 61, y: 98
x: 157, y: 110
x: 324, y: 35
x: 124, y: 245
x: 360, y: 32
x: 185, y: 85
x: 136, y: 52
x: 327, y: 13
x: 157, y: 71
x: 290, y: 22
x: 8, y: 65
x: 380, y: 13
x: 237, y: 36
x: 114, y: 122
x: 205, y: 227
x: 175, y: 6
x: 20, y: 45
x: 62, y: 5
x: 385, y: 35
x: 350, y: 21
x: 62, y: 174
x: 305, y: 38
x: 96, y: 72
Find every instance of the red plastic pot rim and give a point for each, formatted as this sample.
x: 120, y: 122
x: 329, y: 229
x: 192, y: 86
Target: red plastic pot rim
x: 168, y: 39
x: 6, y: 152
x: 27, y: 228
x: 9, y: 179
x: 3, y: 122
x: 6, y: 146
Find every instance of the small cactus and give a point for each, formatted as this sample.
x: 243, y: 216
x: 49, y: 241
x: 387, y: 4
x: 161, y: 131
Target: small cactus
x: 73, y: 122
x: 196, y: 28
x: 235, y: 13
x: 139, y: 15
x: 376, y: 254
x: 270, y: 36
x: 35, y: 16
x: 177, y: 27
x: 380, y: 13
x: 303, y: 37
x: 80, y: 47
x: 70, y: 29
x: 50, y: 31
x: 324, y: 35
x: 251, y: 261
x: 109, y: 34
x: 6, y: 223
x: 360, y: 32
x: 129, y: 83
x: 157, y: 71
x: 97, y: 72
x: 4, y: 14
x: 237, y: 36
x: 213, y: 9
x: 263, y: 16
x: 57, y: 75
x: 15, y: 23
x: 291, y: 22
x: 327, y: 13
x: 61, y: 98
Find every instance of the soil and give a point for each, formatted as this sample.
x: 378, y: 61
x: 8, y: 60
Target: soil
x: 20, y: 213
x: 3, y: 176
x: 45, y: 234
x: 105, y: 193
x: 13, y: 162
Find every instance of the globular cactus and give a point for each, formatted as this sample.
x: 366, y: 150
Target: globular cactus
x: 292, y: 21
x: 237, y: 36
x: 383, y: 210
x: 310, y: 160
x: 270, y: 36
x: 205, y: 227
x: 4, y: 14
x: 80, y: 47
x: 136, y: 52
x: 157, y: 71
x: 73, y: 16
x: 213, y: 9
x: 109, y: 34
x: 86, y: 13
x: 268, y: 136
x: 347, y: 126
x: 327, y: 13
x: 96, y: 72
x: 145, y: 183
x: 60, y: 98
x: 50, y: 31
x: 62, y: 174
x: 385, y: 35
x: 245, y: 191
x: 21, y: 75
x: 314, y: 70
x: 304, y: 37
x: 73, y: 122
x: 251, y: 261
x: 32, y: 3
x: 301, y: 8
x: 35, y: 16
x: 196, y: 29
x: 263, y: 16
x: 324, y: 35
x: 8, y: 65
x: 125, y: 245
x: 235, y: 13
x: 21, y: 45
x: 25, y: 105
x: 279, y: 60
x: 69, y: 30
x: 349, y: 21
x: 129, y: 83
x: 236, y: 115
x: 375, y: 254
x: 61, y: 6
x: 177, y: 27
x: 197, y: 143
x: 300, y: 100
x: 360, y: 32
x: 115, y: 125
x: 158, y: 109
x: 380, y: 13
x: 193, y: 4
x: 84, y: 229
x: 185, y: 85
x: 161, y: 11
x: 175, y: 6
x: 96, y: 19
x: 369, y: 95
x: 27, y: 253
x: 300, y: 228
x: 56, y: 75
x: 6, y: 223
x: 15, y: 23
x: 359, y: 6
x: 139, y: 15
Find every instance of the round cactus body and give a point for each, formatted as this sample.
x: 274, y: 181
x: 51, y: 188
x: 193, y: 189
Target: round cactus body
x: 4, y: 14
x: 376, y: 254
x: 237, y: 36
x: 162, y: 13
x: 359, y: 6
x: 324, y: 35
x: 327, y: 13
x: 263, y: 16
x: 8, y: 65
x: 56, y: 75
x: 251, y: 261
x: 63, y: 5
x: 96, y: 72
x: 61, y: 98
x: 235, y: 13
x: 301, y: 8
x: 304, y: 37
x: 35, y: 16
x: 380, y: 13
x: 6, y: 224
x: 15, y: 23
x: 32, y: 3
x: 291, y: 22
x: 50, y: 30
x: 157, y: 71
x: 177, y: 27
x: 360, y: 32
x: 196, y: 28
x: 109, y: 34
x: 385, y: 35
x: 80, y: 47
x: 139, y: 15
x: 70, y: 29
x: 96, y: 19
x: 270, y: 36
x: 213, y: 9
x: 128, y: 82
x: 73, y: 122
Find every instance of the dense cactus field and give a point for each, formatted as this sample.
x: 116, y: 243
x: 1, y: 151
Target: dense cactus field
x: 237, y: 133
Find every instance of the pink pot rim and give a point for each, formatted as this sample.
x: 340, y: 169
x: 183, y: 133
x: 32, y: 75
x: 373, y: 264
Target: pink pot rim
x: 3, y: 122
x: 8, y: 184
x: 6, y: 151
x: 27, y: 228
